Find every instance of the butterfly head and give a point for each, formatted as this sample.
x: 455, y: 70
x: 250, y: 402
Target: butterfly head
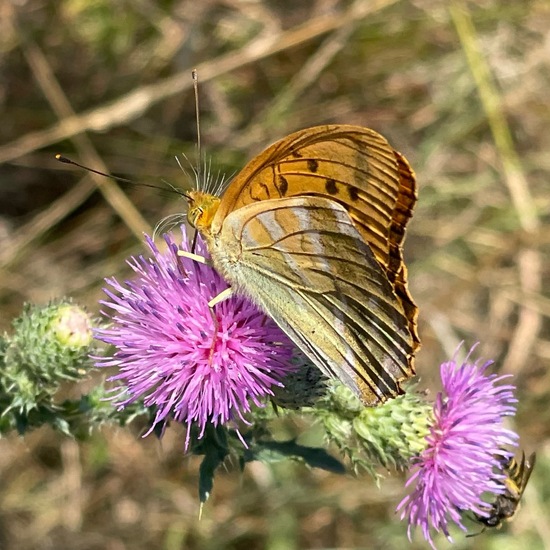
x: 201, y: 209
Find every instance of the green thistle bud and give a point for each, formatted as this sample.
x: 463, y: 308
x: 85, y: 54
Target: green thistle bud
x: 49, y: 345
x: 388, y: 435
x: 395, y: 432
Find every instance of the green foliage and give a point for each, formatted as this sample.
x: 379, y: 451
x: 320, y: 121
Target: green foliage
x: 215, y: 449
x: 275, y: 451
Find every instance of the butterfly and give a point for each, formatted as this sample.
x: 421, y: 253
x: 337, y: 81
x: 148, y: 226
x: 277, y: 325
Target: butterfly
x: 506, y: 505
x: 311, y: 231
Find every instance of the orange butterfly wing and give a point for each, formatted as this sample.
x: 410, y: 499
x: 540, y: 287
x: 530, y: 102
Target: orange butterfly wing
x: 351, y: 165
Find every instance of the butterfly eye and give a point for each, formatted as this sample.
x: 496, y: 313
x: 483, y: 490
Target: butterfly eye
x: 194, y: 215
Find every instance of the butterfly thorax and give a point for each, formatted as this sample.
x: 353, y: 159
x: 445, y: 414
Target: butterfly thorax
x: 201, y: 210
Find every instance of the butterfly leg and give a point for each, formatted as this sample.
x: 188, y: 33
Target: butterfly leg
x: 195, y: 257
x: 221, y: 297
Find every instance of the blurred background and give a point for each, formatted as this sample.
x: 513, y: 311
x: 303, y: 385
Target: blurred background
x: 461, y: 88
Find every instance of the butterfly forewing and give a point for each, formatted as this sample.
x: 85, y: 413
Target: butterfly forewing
x: 305, y: 263
x: 351, y: 165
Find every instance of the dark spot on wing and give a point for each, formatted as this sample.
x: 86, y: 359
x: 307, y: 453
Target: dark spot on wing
x: 295, y: 154
x: 353, y: 193
x: 331, y: 187
x: 312, y: 165
x: 282, y: 185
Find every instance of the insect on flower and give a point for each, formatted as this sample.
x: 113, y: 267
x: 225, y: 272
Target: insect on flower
x: 506, y: 505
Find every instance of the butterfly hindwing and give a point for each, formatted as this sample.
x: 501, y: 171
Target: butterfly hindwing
x: 304, y: 263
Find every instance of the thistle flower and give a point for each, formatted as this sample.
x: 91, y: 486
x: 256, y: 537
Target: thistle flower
x: 464, y: 450
x: 170, y: 353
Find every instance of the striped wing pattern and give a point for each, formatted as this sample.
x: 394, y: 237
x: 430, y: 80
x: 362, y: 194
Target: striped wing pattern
x: 303, y: 261
x: 351, y: 165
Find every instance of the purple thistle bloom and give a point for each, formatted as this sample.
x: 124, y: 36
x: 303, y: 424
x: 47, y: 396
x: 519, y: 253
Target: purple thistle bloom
x: 163, y: 332
x: 464, y: 450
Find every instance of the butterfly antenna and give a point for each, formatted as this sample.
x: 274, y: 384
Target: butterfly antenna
x: 198, y: 170
x: 66, y: 160
x: 176, y: 190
